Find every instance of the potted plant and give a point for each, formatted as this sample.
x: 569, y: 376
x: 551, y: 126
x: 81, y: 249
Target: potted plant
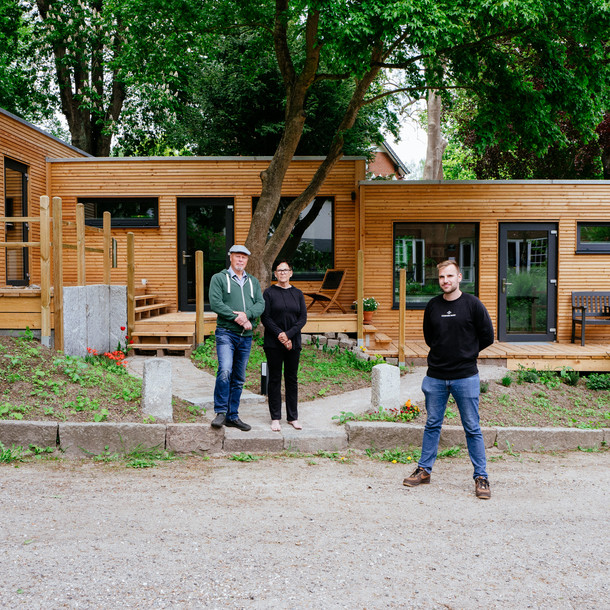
x: 369, y: 305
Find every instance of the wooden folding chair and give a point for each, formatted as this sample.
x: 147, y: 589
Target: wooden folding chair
x: 329, y: 290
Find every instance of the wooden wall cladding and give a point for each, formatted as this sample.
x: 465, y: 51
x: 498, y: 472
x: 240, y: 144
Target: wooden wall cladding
x: 489, y: 204
x: 169, y: 179
x: 22, y: 142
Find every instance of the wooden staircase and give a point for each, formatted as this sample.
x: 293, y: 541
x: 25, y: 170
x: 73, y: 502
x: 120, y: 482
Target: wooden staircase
x: 155, y: 331
x: 146, y: 306
x: 377, y: 342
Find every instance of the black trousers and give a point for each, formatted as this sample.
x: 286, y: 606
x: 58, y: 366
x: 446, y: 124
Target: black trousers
x: 289, y: 359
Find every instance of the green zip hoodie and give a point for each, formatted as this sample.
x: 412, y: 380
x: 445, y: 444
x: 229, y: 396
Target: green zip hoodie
x: 227, y: 296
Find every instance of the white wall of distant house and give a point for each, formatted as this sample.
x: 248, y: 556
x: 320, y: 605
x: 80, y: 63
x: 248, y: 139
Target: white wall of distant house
x: 412, y: 146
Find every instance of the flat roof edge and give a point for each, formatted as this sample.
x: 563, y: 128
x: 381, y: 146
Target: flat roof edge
x: 139, y: 159
x: 473, y: 182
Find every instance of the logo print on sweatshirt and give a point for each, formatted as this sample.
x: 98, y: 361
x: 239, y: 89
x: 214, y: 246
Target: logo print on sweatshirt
x: 449, y: 314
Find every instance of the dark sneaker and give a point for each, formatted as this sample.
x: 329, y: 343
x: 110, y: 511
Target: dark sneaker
x: 481, y: 488
x: 419, y: 477
x: 219, y: 420
x: 237, y: 423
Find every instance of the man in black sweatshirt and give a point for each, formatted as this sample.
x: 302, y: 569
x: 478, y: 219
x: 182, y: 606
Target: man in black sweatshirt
x: 456, y: 328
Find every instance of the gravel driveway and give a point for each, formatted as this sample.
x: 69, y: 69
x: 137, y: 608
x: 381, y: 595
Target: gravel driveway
x: 306, y: 533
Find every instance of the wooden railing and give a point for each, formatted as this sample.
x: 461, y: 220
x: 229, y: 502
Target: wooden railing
x: 53, y: 241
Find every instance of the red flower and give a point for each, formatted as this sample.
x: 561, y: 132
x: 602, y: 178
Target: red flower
x: 122, y: 328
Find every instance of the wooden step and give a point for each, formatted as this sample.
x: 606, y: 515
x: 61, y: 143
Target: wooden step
x: 152, y: 326
x: 163, y: 333
x: 162, y: 348
x: 142, y: 308
x: 147, y: 311
x: 146, y: 299
x: 382, y: 340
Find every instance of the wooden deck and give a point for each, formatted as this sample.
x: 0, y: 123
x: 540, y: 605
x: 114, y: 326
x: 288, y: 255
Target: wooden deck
x: 591, y: 357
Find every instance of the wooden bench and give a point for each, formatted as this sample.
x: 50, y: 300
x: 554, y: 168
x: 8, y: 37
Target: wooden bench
x: 588, y: 309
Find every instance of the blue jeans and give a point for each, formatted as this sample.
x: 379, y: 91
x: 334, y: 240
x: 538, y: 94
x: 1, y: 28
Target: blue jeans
x: 232, y: 351
x: 466, y: 394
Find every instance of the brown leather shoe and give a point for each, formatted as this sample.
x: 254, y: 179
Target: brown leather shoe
x: 481, y: 488
x: 419, y: 477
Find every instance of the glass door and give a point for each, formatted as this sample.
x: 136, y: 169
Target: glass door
x: 16, y: 205
x: 528, y: 285
x: 203, y: 224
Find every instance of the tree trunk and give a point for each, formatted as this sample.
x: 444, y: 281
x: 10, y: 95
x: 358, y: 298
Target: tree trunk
x: 265, y: 250
x: 433, y: 169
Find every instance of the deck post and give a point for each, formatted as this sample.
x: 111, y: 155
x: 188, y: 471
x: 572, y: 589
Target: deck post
x: 107, y: 246
x: 402, y: 288
x: 199, y: 313
x: 360, y: 296
x: 81, y: 276
x: 131, y: 298
x: 45, y: 273
x: 58, y: 274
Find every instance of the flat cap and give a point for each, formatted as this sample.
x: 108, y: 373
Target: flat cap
x: 236, y: 248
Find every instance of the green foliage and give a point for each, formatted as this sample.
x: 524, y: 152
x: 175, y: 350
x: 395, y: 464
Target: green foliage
x: 506, y: 380
x: 569, y: 376
x: 527, y: 375
x: 395, y: 456
x: 139, y: 456
x: 405, y: 413
x: 16, y: 453
x: 598, y: 381
x: 244, y: 457
x: 11, y: 454
x: 204, y: 354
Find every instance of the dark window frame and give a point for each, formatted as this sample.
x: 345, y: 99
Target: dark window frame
x: 23, y: 169
x: 395, y: 273
x: 117, y: 222
x: 591, y: 247
x: 313, y: 275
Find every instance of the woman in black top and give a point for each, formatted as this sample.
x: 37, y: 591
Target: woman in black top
x: 284, y: 316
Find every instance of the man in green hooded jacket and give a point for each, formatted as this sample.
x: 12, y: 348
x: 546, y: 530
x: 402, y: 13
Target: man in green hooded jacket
x: 236, y: 297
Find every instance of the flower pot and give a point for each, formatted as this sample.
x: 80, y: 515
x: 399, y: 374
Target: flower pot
x: 367, y: 316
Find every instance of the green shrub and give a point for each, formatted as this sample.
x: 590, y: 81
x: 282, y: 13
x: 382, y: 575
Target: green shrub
x: 598, y: 381
x: 569, y: 376
x: 506, y: 380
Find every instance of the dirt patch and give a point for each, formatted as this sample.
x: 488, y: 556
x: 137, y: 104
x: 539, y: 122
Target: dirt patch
x: 306, y: 533
x: 539, y: 405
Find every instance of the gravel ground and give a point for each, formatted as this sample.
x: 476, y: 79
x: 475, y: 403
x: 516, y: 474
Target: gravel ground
x: 306, y: 533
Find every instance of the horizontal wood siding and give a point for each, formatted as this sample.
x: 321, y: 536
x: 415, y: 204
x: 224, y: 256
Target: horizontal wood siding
x: 489, y: 205
x: 20, y: 309
x: 20, y: 142
x: 168, y: 179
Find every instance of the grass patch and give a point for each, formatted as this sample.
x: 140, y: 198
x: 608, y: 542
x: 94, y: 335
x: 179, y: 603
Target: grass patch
x: 405, y: 413
x: 322, y: 372
x: 37, y: 383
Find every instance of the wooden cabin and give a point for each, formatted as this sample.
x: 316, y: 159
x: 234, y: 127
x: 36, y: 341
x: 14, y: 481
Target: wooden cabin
x: 523, y: 246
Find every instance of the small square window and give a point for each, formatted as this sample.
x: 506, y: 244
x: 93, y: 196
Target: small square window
x: 593, y: 237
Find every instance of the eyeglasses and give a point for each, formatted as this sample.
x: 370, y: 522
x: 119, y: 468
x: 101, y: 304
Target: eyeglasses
x: 282, y: 270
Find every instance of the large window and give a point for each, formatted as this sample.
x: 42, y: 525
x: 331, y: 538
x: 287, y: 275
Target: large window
x: 593, y: 237
x: 125, y: 211
x: 310, y: 247
x: 420, y: 246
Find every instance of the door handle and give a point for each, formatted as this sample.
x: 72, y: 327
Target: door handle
x: 185, y: 256
x: 505, y: 284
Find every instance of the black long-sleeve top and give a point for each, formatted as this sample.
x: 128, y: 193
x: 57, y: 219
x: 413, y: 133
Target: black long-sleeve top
x: 456, y: 331
x: 285, y: 311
